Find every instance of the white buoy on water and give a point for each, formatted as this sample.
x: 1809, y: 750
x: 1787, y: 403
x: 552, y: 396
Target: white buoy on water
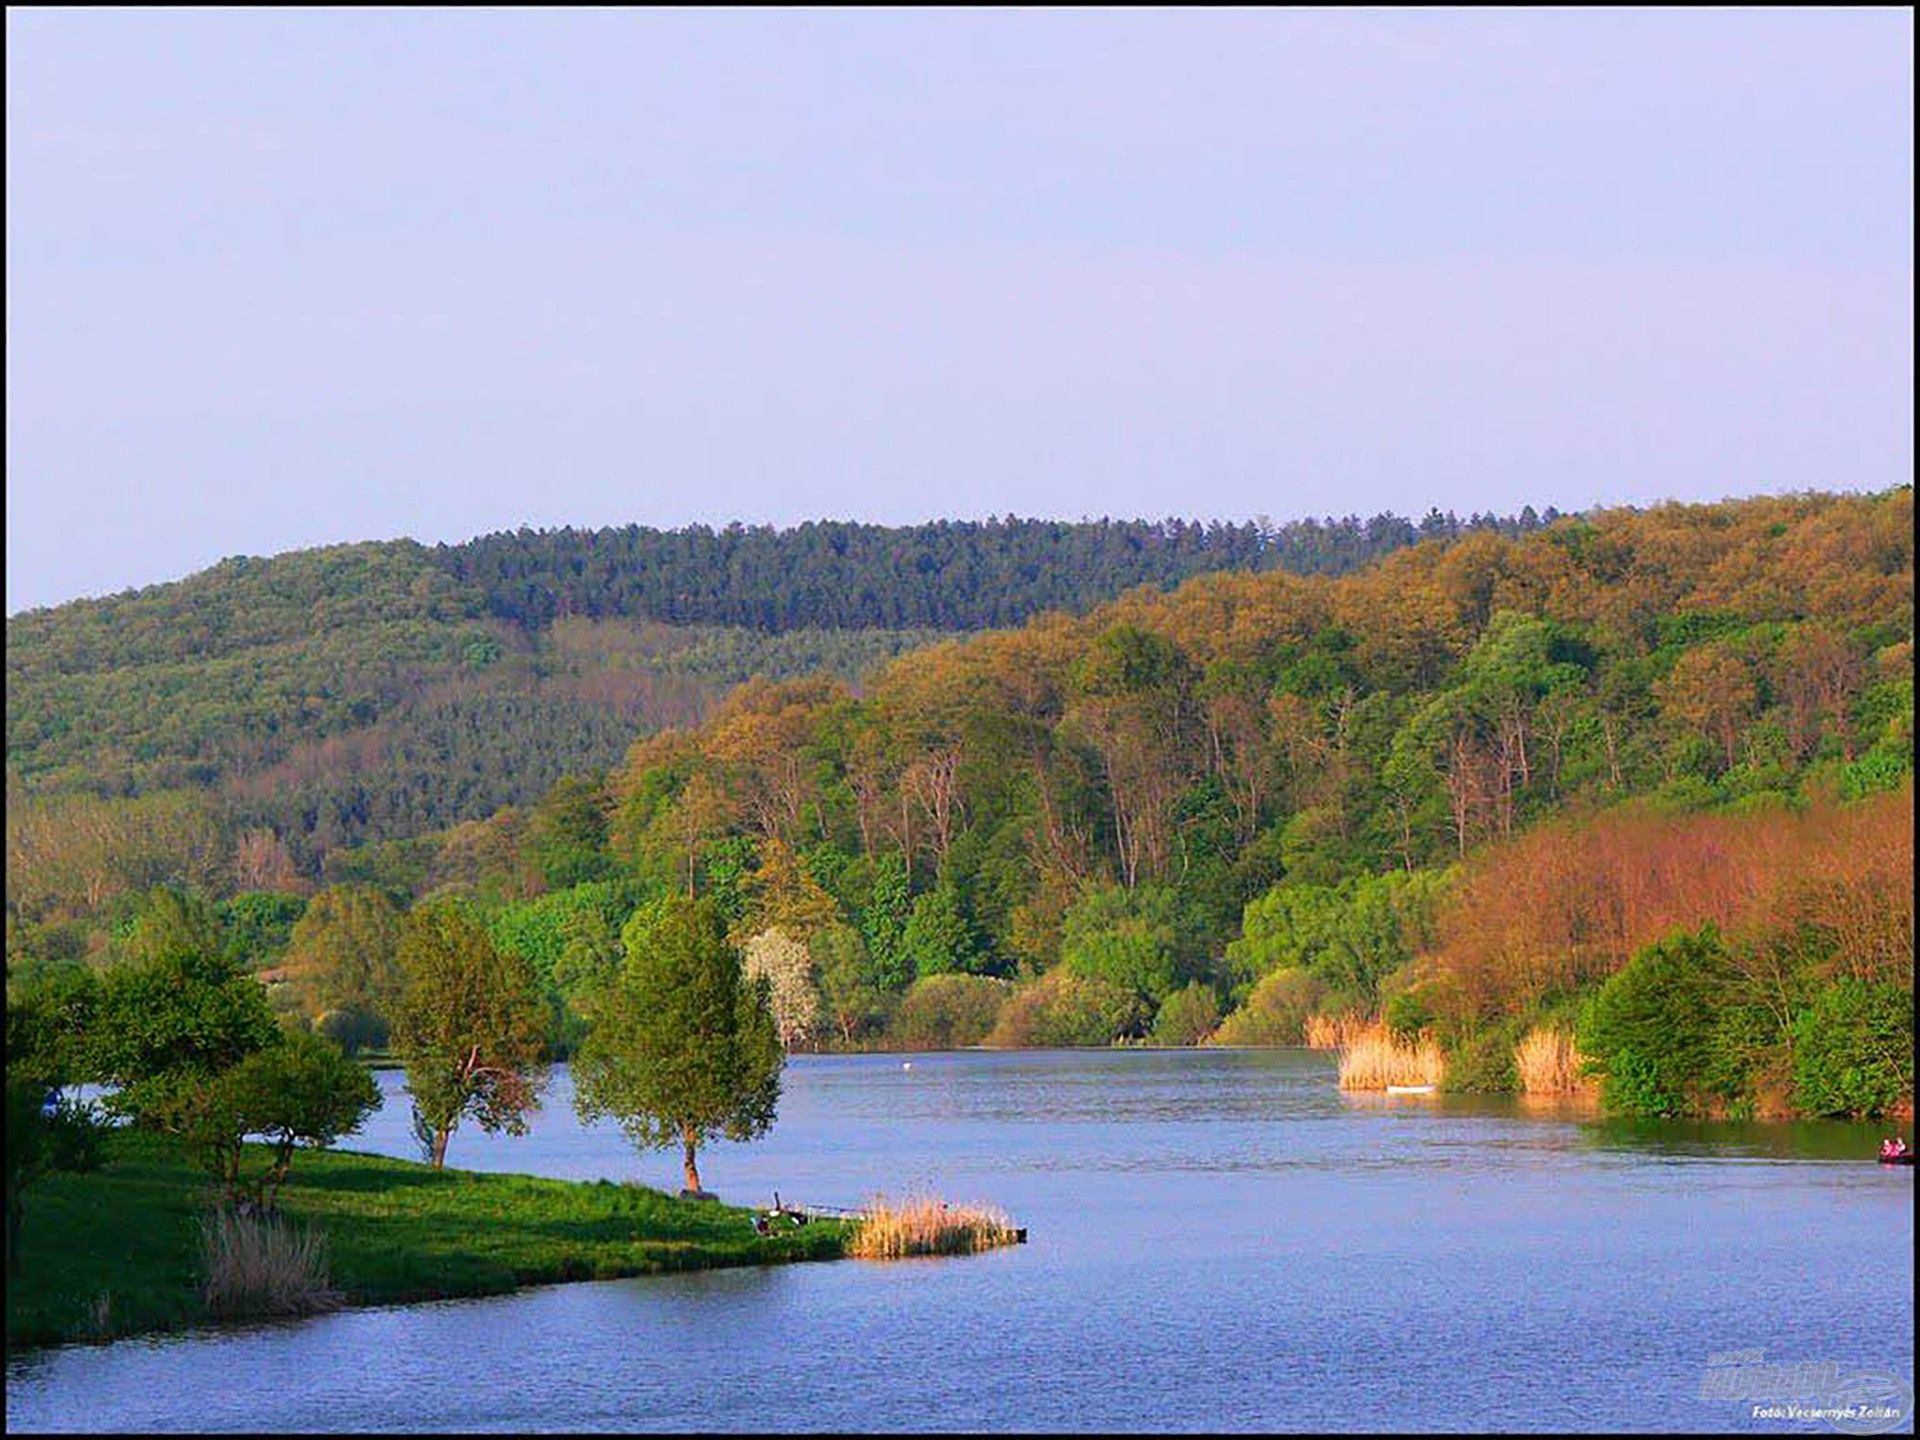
x: 906, y: 1064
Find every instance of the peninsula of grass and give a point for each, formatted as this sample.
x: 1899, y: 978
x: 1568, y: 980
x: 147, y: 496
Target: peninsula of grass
x: 117, y: 1251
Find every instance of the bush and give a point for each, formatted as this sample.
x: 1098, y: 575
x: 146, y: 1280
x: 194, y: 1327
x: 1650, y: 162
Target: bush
x: 947, y: 1012
x: 1064, y: 1010
x: 1853, y: 1050
x: 1407, y: 1014
x: 1483, y: 1062
x: 1275, y: 1013
x: 1187, y: 1017
x: 1651, y: 1027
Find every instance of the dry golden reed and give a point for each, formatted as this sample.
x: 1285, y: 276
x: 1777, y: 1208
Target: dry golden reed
x: 1548, y: 1063
x: 1375, y: 1058
x: 1335, y: 1032
x: 922, y: 1225
x: 263, y: 1265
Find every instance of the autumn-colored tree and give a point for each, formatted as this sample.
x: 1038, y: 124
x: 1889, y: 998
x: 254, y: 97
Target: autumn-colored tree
x: 1711, y: 692
x: 343, y: 957
x: 469, y: 1027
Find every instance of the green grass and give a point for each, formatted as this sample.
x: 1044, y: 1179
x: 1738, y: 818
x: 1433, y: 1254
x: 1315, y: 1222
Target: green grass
x: 396, y: 1231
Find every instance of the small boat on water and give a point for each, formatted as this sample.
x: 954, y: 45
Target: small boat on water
x: 1895, y: 1152
x: 1410, y: 1089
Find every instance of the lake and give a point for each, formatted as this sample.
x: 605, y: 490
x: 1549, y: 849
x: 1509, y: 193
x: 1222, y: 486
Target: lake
x: 1220, y: 1240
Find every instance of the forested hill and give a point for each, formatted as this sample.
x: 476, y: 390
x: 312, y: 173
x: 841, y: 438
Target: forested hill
x: 945, y: 575
x: 381, y: 690
x: 1459, y: 793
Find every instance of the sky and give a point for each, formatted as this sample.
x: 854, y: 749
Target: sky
x: 289, y: 278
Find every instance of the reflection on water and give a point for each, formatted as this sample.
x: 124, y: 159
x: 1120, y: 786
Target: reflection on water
x: 1219, y: 1240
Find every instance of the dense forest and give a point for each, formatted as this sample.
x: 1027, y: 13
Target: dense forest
x: 383, y: 690
x: 1632, y: 788
x: 945, y: 575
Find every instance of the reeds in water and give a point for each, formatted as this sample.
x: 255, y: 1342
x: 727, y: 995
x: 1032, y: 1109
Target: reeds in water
x: 1548, y: 1063
x: 1335, y: 1032
x: 263, y: 1265
x: 1375, y: 1058
x: 922, y: 1225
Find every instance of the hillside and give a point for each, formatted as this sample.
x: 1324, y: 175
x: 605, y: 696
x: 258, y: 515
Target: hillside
x: 1461, y: 790
x: 381, y: 690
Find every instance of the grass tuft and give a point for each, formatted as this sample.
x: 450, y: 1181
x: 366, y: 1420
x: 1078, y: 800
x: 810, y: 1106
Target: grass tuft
x: 922, y: 1225
x: 1375, y: 1058
x: 1335, y: 1032
x: 263, y: 1265
x: 1548, y: 1063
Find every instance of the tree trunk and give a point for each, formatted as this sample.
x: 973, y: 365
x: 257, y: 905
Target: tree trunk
x: 689, y: 1140
x: 440, y: 1138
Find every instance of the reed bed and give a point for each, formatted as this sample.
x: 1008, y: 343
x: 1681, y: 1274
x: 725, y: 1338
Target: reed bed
x: 1550, y: 1064
x: 1376, y: 1058
x: 264, y: 1265
x: 1335, y: 1032
x: 923, y: 1225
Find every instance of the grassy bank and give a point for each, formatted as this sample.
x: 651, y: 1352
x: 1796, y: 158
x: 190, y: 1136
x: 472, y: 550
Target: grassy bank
x: 116, y: 1252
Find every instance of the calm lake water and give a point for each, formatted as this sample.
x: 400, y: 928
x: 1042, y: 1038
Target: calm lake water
x: 1220, y: 1241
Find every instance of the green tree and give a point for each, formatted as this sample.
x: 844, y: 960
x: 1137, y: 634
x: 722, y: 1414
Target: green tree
x: 1853, y: 1050
x: 41, y: 1138
x: 1131, y: 939
x: 301, y: 1092
x: 342, y: 960
x: 1188, y: 1016
x: 166, y: 1026
x: 682, y: 1047
x: 937, y: 939
x: 568, y: 839
x: 1650, y: 1029
x: 851, y: 986
x: 45, y: 1025
x: 884, y: 922
x: 171, y: 923
x: 469, y: 1027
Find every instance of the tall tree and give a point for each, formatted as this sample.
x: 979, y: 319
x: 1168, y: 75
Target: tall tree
x: 469, y: 1027
x: 683, y: 1047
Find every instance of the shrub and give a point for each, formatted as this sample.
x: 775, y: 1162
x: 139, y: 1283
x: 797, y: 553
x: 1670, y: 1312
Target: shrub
x: 1275, y: 1013
x: 1187, y: 1017
x: 263, y: 1265
x: 1650, y: 1027
x: 1853, y: 1050
x: 1064, y: 1010
x: 1481, y: 1062
x: 1407, y: 1014
x: 948, y: 1012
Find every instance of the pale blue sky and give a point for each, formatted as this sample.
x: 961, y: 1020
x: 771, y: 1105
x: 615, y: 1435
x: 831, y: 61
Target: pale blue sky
x: 279, y: 279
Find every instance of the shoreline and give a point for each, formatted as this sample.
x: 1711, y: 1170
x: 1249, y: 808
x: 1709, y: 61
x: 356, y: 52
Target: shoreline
x: 114, y: 1253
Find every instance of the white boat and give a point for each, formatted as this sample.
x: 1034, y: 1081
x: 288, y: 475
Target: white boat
x: 1410, y: 1089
